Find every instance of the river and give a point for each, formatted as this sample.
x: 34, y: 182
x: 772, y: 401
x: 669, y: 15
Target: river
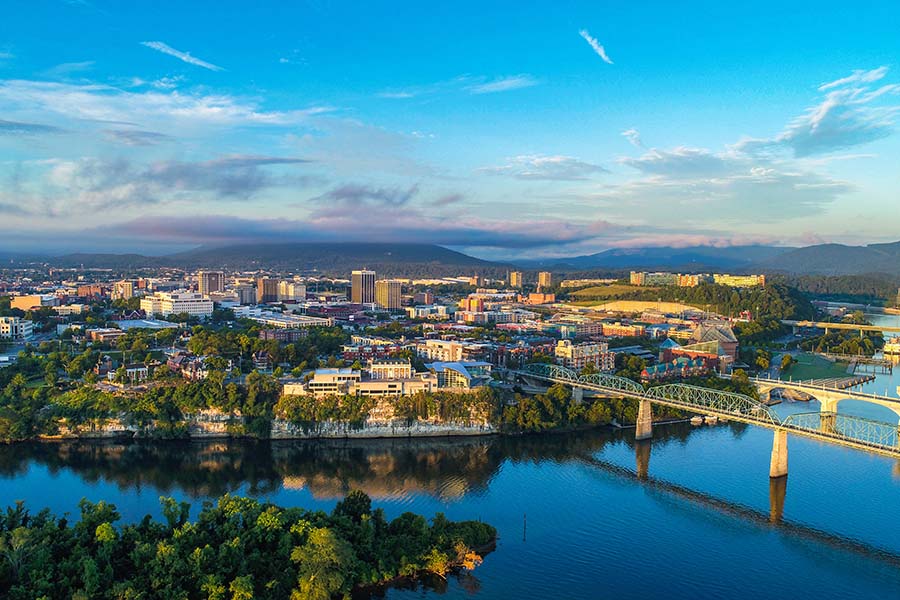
x: 574, y: 519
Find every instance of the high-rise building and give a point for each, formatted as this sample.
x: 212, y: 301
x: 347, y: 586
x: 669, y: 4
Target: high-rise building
x: 387, y: 293
x: 266, y: 290
x: 123, y: 290
x: 209, y: 282
x: 515, y: 279
x: 545, y: 280
x: 246, y: 294
x: 427, y: 297
x: 288, y: 291
x: 362, y: 287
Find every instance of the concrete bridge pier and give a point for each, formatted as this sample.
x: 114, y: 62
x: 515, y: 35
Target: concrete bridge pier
x: 578, y: 394
x: 827, y: 422
x: 778, y: 467
x: 644, y: 425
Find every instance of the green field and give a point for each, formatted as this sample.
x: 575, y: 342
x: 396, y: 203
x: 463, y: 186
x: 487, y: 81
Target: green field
x: 608, y: 292
x: 811, y: 366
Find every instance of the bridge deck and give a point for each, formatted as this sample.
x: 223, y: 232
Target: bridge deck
x: 872, y: 436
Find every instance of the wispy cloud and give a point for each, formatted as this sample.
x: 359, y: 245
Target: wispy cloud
x: 504, y: 84
x: 136, y: 137
x: 858, y: 76
x: 552, y: 168
x: 182, y: 56
x: 634, y: 137
x: 598, y: 48
x: 67, y: 69
x: 20, y: 128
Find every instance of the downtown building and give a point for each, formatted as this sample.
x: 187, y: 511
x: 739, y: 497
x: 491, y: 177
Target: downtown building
x: 579, y: 356
x: 210, y: 282
x: 388, y: 294
x: 16, y: 329
x: 266, y: 290
x: 176, y: 303
x: 362, y: 287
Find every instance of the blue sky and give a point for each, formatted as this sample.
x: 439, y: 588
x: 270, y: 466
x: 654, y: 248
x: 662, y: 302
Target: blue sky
x: 503, y: 129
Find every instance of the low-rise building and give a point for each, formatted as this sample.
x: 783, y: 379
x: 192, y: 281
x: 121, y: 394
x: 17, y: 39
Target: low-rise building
x: 289, y: 321
x: 579, y: 356
x: 461, y: 375
x: 16, y: 329
x: 32, y: 301
x: 176, y: 303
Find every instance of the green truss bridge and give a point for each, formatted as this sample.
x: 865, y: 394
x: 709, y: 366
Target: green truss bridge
x: 827, y: 426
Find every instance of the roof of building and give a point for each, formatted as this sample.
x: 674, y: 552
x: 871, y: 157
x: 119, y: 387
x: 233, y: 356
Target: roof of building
x: 669, y: 343
x: 719, y: 332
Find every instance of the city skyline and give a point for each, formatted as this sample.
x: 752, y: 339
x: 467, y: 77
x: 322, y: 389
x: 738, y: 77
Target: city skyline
x: 502, y: 131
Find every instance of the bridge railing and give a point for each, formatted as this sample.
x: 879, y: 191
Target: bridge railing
x: 877, y: 434
x: 692, y: 396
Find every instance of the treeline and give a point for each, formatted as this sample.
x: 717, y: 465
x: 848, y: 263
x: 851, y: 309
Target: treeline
x: 237, y: 548
x: 872, y: 288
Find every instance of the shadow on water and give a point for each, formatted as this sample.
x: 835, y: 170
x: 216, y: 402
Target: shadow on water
x: 774, y: 519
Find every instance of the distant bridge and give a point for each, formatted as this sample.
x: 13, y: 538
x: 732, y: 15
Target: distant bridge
x: 825, y: 425
x: 843, y: 326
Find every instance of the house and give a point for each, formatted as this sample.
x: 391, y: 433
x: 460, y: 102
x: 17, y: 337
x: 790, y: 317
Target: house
x: 134, y: 373
x: 262, y: 361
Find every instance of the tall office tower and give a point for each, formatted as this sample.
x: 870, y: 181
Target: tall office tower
x: 515, y: 279
x: 362, y: 287
x: 545, y: 280
x: 290, y: 291
x: 210, y: 281
x: 387, y: 293
x: 246, y: 294
x: 266, y: 290
x: 123, y: 290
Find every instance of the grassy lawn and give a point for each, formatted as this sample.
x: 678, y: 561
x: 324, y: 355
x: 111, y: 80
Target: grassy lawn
x: 810, y: 366
x: 607, y: 292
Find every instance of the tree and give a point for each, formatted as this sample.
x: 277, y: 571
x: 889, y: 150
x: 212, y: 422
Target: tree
x: 325, y: 566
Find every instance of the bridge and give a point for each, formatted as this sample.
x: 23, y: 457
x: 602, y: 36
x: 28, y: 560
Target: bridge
x: 828, y: 396
x: 844, y: 326
x: 824, y: 425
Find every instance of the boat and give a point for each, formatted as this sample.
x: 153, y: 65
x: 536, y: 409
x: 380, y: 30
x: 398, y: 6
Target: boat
x: 712, y: 420
x: 892, y: 346
x: 696, y: 421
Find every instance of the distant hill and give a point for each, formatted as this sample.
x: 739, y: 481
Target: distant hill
x: 836, y: 259
x: 338, y: 258
x: 696, y: 258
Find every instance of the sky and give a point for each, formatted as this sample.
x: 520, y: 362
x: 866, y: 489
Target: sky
x: 502, y: 129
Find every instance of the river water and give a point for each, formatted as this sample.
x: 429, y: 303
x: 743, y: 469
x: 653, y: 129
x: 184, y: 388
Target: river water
x: 588, y: 515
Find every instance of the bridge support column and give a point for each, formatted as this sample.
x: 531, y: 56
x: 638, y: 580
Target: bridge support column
x: 578, y: 394
x: 644, y: 430
x: 778, y: 467
x: 827, y: 422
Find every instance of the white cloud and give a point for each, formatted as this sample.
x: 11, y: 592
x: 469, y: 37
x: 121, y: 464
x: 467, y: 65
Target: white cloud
x: 858, y: 76
x: 852, y: 113
x: 172, y: 111
x: 560, y: 168
x: 634, y: 137
x: 182, y: 56
x: 598, y: 48
x: 504, y: 84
